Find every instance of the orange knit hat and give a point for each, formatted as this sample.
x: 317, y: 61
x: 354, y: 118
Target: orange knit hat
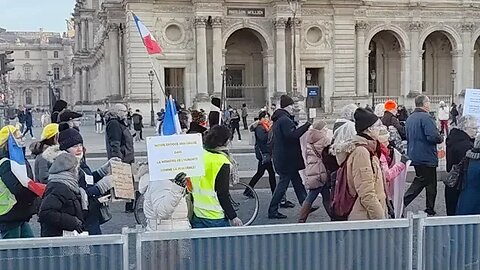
x: 390, y: 105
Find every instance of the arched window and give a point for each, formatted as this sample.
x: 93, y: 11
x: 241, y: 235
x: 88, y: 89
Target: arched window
x: 28, y: 97
x: 27, y: 71
x: 27, y: 54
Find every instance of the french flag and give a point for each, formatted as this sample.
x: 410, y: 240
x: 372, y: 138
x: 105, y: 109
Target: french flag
x: 171, y: 122
x: 148, y: 40
x: 19, y: 169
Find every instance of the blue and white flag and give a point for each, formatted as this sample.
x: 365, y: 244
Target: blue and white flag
x: 171, y: 122
x: 19, y: 168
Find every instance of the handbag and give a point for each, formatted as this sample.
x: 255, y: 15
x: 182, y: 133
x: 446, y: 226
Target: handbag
x: 104, y: 209
x: 455, y: 174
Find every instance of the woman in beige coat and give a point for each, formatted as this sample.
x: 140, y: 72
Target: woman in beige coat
x: 364, y: 173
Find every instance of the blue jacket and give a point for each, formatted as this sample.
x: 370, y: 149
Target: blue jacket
x: 423, y: 137
x: 469, y: 199
x: 287, y: 154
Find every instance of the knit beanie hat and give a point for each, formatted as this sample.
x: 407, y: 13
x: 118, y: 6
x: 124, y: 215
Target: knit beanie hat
x: 285, y: 101
x: 59, y: 105
x: 216, y: 101
x: 68, y: 138
x: 390, y: 105
x: 364, y: 119
x: 319, y: 124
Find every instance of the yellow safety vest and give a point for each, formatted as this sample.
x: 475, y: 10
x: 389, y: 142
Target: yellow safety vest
x: 7, y: 199
x: 205, y: 200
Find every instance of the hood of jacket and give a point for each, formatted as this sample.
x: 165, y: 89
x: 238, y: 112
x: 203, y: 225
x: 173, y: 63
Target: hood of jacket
x: 347, y: 147
x: 318, y: 137
x: 456, y: 136
x: 52, y: 152
x: 279, y: 113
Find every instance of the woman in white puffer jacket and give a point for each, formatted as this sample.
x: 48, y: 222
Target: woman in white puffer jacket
x: 165, y: 206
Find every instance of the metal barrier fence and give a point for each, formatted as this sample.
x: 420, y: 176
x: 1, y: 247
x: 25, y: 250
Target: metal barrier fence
x: 443, y: 243
x: 450, y: 243
x: 106, y: 252
x: 385, y: 244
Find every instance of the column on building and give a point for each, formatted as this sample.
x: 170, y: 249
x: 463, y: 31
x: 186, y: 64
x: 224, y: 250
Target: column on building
x: 114, y: 60
x: 39, y: 96
x: 362, y: 56
x: 77, y: 36
x: 90, y: 33
x: 468, y: 56
x: 415, y: 58
x: 202, y: 75
x: 78, y: 89
x: 85, y: 84
x: 84, y: 37
x: 405, y: 74
x: 217, y: 55
x: 457, y: 65
x: 296, y: 51
x: 280, y: 71
x: 269, y: 75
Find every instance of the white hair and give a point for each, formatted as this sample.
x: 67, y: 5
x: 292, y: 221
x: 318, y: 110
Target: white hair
x: 465, y: 120
x: 348, y: 111
x: 379, y: 110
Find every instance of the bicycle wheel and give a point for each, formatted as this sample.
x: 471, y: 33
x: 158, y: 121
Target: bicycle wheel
x: 138, y: 211
x: 246, y: 207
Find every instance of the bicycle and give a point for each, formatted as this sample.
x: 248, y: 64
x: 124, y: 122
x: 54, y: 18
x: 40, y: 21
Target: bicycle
x: 247, y: 208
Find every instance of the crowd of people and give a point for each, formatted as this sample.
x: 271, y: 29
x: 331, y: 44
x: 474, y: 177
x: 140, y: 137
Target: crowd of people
x: 354, y: 167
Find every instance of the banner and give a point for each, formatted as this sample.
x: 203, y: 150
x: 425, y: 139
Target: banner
x: 170, y: 155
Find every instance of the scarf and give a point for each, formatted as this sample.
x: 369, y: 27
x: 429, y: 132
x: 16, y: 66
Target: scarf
x: 473, y: 153
x: 378, y: 150
x: 267, y: 125
x: 67, y: 178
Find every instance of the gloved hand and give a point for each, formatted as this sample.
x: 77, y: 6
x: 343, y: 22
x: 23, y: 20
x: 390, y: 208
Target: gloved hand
x: 236, y: 222
x: 105, y: 184
x: 78, y: 225
x: 404, y: 159
x: 106, y: 169
x: 180, y: 179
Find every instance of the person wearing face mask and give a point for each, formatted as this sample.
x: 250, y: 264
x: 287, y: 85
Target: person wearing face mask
x: 287, y: 155
x: 422, y: 139
x: 365, y: 178
x: 61, y: 208
x: 93, y: 184
x: 459, y: 141
x: 119, y: 140
x: 16, y: 201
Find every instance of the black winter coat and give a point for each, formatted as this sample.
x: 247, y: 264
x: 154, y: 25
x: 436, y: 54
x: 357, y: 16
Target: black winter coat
x: 119, y: 141
x: 24, y: 209
x: 287, y: 153
x: 389, y: 119
x: 458, y: 143
x: 261, y: 142
x: 59, y: 211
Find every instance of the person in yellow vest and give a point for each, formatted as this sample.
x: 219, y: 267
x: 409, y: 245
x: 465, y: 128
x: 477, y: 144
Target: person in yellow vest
x: 211, y: 196
x: 16, y: 201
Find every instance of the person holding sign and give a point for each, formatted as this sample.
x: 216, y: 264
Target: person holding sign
x: 211, y: 196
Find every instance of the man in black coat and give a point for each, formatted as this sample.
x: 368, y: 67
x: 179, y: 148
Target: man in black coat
x: 287, y: 155
x: 459, y: 141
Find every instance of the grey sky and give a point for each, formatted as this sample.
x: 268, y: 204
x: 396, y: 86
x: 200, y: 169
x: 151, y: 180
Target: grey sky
x: 30, y: 15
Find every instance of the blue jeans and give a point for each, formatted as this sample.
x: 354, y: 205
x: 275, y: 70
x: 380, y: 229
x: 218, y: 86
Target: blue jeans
x: 22, y: 231
x: 281, y: 188
x: 200, y: 223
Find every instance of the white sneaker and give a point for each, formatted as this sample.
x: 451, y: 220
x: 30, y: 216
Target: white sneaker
x: 33, y: 138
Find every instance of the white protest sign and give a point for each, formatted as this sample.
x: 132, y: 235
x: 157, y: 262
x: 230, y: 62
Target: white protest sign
x: 170, y: 155
x: 471, y: 104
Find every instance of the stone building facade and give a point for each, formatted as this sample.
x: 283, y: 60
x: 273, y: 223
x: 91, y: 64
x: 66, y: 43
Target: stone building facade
x: 36, y: 54
x: 412, y: 47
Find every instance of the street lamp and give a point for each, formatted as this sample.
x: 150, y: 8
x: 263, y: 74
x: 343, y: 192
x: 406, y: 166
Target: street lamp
x: 152, y: 113
x: 373, y: 76
x: 51, y: 86
x: 453, y: 74
x: 294, y: 6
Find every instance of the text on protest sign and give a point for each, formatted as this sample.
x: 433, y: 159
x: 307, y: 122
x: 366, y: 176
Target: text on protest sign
x: 170, y: 155
x: 122, y: 180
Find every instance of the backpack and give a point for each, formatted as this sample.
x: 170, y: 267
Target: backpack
x: 342, y: 201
